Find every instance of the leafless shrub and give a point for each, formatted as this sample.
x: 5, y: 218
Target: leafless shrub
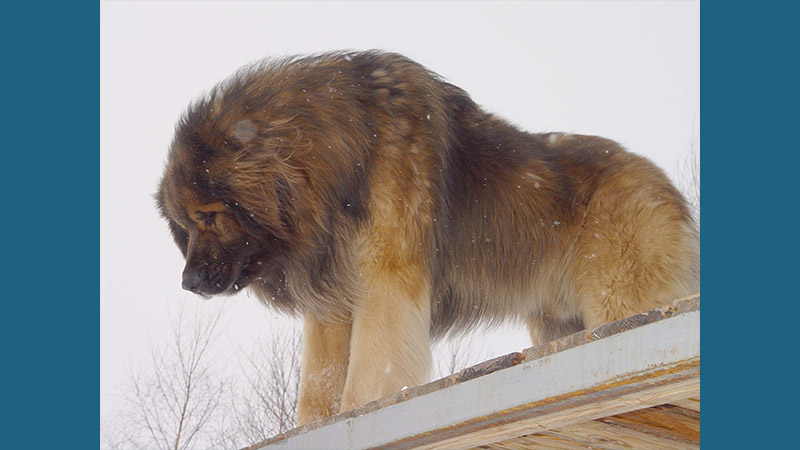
x: 169, y: 404
x: 264, y: 403
x: 181, y: 400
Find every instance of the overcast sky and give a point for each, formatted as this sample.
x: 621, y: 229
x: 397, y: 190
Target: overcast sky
x: 628, y: 71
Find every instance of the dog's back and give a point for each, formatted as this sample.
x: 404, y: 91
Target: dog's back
x: 564, y: 231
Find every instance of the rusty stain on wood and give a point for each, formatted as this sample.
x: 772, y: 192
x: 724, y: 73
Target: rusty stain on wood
x: 487, y: 367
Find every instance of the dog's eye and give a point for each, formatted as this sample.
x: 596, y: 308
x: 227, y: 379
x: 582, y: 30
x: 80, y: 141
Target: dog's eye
x: 207, y: 218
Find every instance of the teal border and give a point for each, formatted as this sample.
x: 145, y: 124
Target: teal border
x: 50, y: 181
x: 50, y: 186
x: 749, y: 95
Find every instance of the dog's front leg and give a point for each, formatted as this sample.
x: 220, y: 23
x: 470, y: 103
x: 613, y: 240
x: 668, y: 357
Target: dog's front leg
x: 323, y: 369
x: 390, y: 342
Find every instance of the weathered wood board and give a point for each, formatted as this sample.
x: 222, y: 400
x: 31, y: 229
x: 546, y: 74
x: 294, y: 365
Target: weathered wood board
x: 666, y: 427
x: 634, y: 383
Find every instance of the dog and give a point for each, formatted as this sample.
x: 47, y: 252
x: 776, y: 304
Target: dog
x: 366, y: 194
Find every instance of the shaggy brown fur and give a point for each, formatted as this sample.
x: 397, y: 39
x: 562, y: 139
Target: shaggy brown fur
x: 379, y: 202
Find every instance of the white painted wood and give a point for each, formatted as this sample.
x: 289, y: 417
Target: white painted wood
x: 641, y: 350
x: 596, y: 409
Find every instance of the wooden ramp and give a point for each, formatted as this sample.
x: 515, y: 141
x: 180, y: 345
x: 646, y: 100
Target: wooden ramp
x: 629, y: 384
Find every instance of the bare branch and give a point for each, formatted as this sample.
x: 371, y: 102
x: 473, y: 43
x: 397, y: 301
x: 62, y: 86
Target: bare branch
x: 170, y: 403
x: 177, y: 401
x: 266, y: 403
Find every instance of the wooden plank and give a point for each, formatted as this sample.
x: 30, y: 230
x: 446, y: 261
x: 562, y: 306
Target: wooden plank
x: 538, y: 442
x: 668, y: 421
x: 626, y: 370
x: 689, y: 403
x: 679, y: 306
x: 599, y: 434
x: 590, y: 411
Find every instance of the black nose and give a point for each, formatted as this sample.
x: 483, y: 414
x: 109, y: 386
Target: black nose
x: 191, y: 280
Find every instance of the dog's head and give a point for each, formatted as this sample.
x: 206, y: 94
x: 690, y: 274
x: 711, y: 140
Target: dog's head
x: 251, y: 180
x: 227, y: 206
x: 221, y: 256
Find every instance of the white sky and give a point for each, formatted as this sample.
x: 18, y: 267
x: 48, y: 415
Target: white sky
x: 627, y: 71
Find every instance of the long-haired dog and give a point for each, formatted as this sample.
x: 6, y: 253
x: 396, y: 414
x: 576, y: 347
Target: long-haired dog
x: 378, y: 201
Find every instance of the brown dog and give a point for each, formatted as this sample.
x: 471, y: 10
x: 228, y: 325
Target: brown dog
x: 382, y: 204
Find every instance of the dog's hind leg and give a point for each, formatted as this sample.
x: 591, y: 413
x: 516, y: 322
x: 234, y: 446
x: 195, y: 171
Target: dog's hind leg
x: 637, y: 251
